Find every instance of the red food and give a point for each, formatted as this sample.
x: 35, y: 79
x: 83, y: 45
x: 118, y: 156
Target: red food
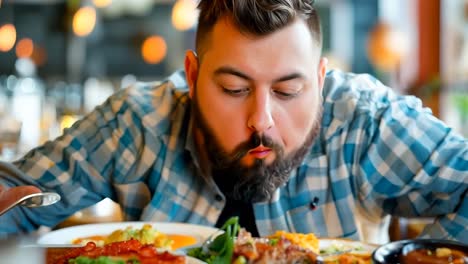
x: 125, y: 249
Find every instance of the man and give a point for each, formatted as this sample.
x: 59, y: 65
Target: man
x: 262, y: 132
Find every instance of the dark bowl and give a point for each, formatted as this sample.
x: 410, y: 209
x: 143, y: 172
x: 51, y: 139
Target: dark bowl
x: 392, y: 252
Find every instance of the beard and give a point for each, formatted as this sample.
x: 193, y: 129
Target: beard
x: 258, y: 182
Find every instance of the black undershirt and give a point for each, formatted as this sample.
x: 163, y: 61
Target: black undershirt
x: 233, y: 207
x: 245, y: 213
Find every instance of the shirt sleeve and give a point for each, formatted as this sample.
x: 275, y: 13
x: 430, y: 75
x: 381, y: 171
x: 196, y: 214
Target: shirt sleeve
x: 413, y: 165
x: 82, y: 165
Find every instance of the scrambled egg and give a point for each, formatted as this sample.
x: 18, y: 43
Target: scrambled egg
x: 308, y: 241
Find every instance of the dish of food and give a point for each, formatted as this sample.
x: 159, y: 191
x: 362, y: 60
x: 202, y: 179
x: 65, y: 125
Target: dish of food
x: 280, y: 247
x: 169, y: 236
x: 421, y: 251
x: 439, y: 255
x: 231, y: 244
x: 123, y: 252
x: 236, y: 245
x: 345, y: 251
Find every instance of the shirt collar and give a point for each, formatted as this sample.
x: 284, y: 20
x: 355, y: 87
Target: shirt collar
x: 190, y: 142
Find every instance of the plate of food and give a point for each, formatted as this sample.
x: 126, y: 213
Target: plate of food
x: 123, y: 252
x: 421, y: 251
x: 335, y: 250
x: 236, y: 245
x: 124, y: 242
x: 169, y: 236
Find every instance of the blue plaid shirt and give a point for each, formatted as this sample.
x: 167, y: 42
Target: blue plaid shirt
x: 378, y: 153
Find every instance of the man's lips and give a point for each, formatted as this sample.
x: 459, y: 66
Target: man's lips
x: 260, y: 152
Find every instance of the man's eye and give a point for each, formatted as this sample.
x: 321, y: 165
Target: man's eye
x: 236, y: 92
x: 284, y: 95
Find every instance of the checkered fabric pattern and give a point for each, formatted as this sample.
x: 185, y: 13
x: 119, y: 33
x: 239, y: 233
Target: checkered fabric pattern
x: 378, y: 153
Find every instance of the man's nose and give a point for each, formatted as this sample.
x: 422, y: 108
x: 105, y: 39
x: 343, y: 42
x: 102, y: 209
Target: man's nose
x: 260, y: 117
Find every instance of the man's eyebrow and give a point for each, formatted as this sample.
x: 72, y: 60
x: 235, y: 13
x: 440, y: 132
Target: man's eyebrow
x: 233, y: 71
x: 291, y: 76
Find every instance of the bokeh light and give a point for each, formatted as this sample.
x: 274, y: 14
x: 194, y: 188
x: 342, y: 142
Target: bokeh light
x: 102, y: 3
x: 154, y: 49
x: 24, y: 48
x: 386, y: 47
x: 184, y: 14
x: 7, y: 37
x: 84, y: 21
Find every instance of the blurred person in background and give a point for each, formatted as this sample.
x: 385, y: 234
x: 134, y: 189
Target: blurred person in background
x: 255, y: 126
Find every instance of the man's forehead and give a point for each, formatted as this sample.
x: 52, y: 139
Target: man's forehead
x: 226, y: 29
x: 253, y: 55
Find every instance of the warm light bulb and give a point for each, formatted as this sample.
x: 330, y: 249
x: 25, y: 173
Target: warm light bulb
x: 67, y: 121
x: 387, y: 47
x: 84, y: 21
x: 7, y: 37
x: 102, y: 3
x: 184, y: 14
x: 24, y: 48
x: 154, y: 49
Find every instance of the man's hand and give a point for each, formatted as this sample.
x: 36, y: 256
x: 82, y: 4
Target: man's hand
x: 11, y: 195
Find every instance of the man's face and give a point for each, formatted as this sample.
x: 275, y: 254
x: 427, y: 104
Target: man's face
x: 257, y: 102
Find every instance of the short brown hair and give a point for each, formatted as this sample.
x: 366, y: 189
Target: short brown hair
x: 257, y: 17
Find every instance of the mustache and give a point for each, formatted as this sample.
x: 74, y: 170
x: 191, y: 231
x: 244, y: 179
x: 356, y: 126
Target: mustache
x: 244, y: 147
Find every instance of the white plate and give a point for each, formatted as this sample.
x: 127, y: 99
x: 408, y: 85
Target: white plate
x: 65, y: 236
x: 68, y: 234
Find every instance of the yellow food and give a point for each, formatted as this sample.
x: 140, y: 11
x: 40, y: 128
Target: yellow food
x: 308, y: 241
x: 146, y: 235
x: 443, y: 252
x: 180, y: 241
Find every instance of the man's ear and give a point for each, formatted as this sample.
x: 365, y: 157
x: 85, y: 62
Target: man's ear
x: 191, y: 70
x: 322, y: 71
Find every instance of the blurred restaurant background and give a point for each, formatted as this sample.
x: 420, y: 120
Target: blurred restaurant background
x: 61, y: 58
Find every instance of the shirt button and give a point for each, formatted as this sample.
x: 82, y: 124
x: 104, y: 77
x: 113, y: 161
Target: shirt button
x: 218, y: 198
